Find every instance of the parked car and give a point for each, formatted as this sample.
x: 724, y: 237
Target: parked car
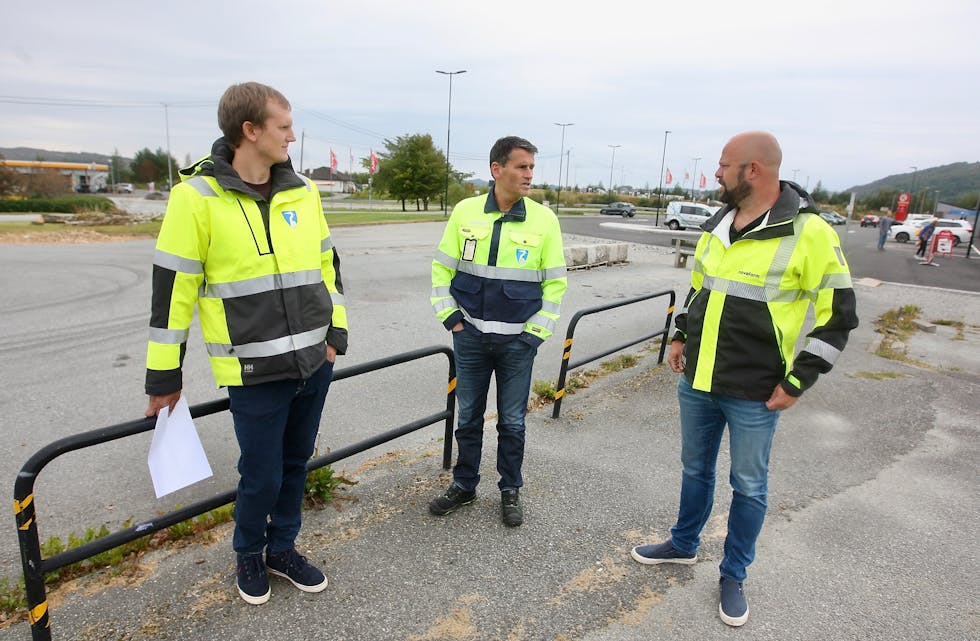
x: 156, y: 195
x: 124, y: 188
x: 619, y: 209
x: 833, y: 217
x: 903, y: 233
x: 870, y: 220
x: 681, y: 215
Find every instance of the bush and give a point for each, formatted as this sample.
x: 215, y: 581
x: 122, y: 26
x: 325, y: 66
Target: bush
x: 63, y: 205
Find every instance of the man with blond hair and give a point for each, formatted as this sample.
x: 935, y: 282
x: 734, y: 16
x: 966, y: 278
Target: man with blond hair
x: 762, y: 260
x: 245, y: 241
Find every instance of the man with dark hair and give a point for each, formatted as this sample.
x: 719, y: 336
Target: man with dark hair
x: 244, y: 239
x: 762, y: 260
x: 497, y: 283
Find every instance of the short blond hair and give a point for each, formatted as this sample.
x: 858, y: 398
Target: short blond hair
x: 245, y: 102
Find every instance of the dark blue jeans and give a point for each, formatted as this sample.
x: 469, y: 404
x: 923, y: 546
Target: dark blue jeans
x: 276, y: 424
x: 510, y: 363
x: 751, y: 427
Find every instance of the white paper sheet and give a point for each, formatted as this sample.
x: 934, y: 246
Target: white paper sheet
x: 176, y: 457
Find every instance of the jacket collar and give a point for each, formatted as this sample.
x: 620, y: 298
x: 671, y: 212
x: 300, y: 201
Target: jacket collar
x: 792, y: 201
x: 517, y: 213
x: 218, y: 165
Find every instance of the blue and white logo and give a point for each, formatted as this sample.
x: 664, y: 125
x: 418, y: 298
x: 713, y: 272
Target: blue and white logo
x: 290, y: 217
x: 522, y: 256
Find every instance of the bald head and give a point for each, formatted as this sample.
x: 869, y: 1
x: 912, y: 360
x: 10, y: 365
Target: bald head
x: 756, y: 146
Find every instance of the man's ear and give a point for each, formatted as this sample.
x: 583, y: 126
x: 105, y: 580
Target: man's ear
x: 494, y: 169
x: 249, y: 130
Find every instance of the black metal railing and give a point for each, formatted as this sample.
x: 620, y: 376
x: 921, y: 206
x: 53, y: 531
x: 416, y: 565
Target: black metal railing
x: 567, y: 351
x: 35, y: 567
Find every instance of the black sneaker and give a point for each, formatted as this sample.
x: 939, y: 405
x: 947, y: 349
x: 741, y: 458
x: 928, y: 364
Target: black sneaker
x: 453, y: 498
x: 733, y: 608
x: 294, y: 566
x: 253, y: 582
x: 661, y: 553
x: 510, y: 508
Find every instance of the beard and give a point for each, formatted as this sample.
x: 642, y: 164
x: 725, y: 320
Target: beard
x: 738, y: 193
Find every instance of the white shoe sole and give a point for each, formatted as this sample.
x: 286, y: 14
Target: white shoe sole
x: 733, y: 621
x: 645, y: 561
x: 254, y: 600
x: 320, y: 587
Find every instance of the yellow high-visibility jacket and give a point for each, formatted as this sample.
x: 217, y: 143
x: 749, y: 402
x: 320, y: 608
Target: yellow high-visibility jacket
x: 264, y: 276
x: 503, y: 275
x: 749, y: 298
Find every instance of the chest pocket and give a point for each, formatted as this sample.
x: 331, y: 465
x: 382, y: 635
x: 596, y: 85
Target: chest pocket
x: 524, y: 239
x: 474, y: 231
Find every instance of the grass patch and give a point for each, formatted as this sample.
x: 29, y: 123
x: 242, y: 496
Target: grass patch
x: 959, y: 326
x: 545, y: 391
x: 896, y: 327
x: 878, y: 376
x: 322, y: 487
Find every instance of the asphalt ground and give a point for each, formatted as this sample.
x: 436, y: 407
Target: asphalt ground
x: 870, y: 533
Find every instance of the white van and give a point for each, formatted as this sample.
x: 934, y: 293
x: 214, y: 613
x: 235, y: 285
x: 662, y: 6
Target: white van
x: 681, y: 215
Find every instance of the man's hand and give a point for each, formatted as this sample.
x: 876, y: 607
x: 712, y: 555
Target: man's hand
x: 780, y: 400
x: 331, y: 353
x: 159, y: 402
x: 675, y: 357
x: 458, y: 327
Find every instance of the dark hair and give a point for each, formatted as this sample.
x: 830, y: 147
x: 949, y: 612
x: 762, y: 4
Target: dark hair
x: 500, y: 152
x: 245, y: 102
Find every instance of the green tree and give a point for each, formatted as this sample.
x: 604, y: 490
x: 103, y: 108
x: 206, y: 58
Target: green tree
x: 412, y: 168
x: 10, y: 180
x: 819, y: 193
x: 151, y: 166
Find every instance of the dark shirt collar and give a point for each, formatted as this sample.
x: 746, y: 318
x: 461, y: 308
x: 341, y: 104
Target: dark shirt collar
x: 516, y: 213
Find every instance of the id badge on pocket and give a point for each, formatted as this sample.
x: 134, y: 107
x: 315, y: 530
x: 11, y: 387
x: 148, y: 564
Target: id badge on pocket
x: 469, y: 249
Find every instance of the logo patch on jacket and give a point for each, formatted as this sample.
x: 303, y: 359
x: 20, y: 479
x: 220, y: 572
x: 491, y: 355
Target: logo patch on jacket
x: 522, y: 255
x: 290, y: 217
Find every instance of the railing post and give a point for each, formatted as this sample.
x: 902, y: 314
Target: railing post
x: 447, y: 445
x: 666, y: 337
x: 30, y: 556
x: 562, y: 373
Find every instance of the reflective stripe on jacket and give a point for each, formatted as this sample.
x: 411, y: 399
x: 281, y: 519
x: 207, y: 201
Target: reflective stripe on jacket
x: 749, y: 299
x: 263, y: 275
x: 502, y: 274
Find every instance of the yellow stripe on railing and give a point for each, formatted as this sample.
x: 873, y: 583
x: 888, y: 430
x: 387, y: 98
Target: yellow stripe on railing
x: 20, y: 506
x: 37, y: 612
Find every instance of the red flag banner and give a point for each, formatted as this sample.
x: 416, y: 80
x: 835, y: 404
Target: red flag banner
x: 704, y: 181
x: 670, y: 177
x: 374, y: 163
x: 333, y: 161
x: 687, y: 175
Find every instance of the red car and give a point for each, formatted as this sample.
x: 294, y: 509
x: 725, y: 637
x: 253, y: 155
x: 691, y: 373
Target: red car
x: 869, y: 221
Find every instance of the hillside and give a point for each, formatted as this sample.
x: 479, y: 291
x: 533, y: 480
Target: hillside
x: 30, y: 153
x: 953, y: 182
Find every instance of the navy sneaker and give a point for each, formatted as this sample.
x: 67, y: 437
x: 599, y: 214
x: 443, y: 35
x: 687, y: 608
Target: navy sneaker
x: 510, y: 508
x: 661, y: 553
x: 451, y: 500
x: 733, y: 608
x: 253, y: 582
x: 294, y: 566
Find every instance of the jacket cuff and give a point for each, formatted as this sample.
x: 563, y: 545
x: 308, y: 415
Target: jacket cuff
x: 453, y: 319
x: 530, y: 339
x: 163, y: 382
x: 791, y: 389
x: 679, y: 336
x: 338, y: 338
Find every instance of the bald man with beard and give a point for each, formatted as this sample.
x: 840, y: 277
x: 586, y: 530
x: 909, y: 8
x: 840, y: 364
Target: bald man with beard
x: 762, y: 261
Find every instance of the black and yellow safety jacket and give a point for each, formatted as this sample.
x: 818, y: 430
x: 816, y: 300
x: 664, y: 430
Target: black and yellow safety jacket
x: 749, y: 299
x: 502, y: 275
x: 264, y: 276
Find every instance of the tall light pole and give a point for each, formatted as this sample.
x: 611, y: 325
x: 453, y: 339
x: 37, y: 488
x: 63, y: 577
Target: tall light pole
x: 561, y: 157
x: 660, y: 189
x: 694, y: 176
x: 795, y: 171
x: 170, y: 170
x: 449, y: 122
x: 915, y: 176
x: 611, y: 164
x: 935, y: 204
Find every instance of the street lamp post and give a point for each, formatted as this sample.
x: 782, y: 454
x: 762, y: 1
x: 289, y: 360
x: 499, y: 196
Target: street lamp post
x: 611, y: 164
x: 170, y: 170
x: 935, y: 204
x: 561, y: 157
x: 915, y: 176
x: 694, y: 177
x: 795, y: 171
x: 449, y: 122
x: 660, y: 189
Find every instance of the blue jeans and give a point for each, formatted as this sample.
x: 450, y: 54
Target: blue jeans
x: 751, y: 427
x: 276, y: 424
x: 511, y: 364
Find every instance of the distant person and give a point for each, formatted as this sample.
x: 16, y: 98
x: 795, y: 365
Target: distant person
x: 245, y: 241
x: 884, y: 224
x: 925, y: 235
x: 498, y: 279
x: 762, y: 260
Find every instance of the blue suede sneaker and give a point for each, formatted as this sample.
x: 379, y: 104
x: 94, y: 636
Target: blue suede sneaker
x: 661, y: 553
x: 294, y: 566
x: 253, y: 582
x: 733, y: 608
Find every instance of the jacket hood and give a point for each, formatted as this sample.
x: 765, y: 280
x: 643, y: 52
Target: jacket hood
x: 218, y: 165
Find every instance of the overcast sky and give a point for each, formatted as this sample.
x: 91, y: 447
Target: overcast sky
x: 855, y: 90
